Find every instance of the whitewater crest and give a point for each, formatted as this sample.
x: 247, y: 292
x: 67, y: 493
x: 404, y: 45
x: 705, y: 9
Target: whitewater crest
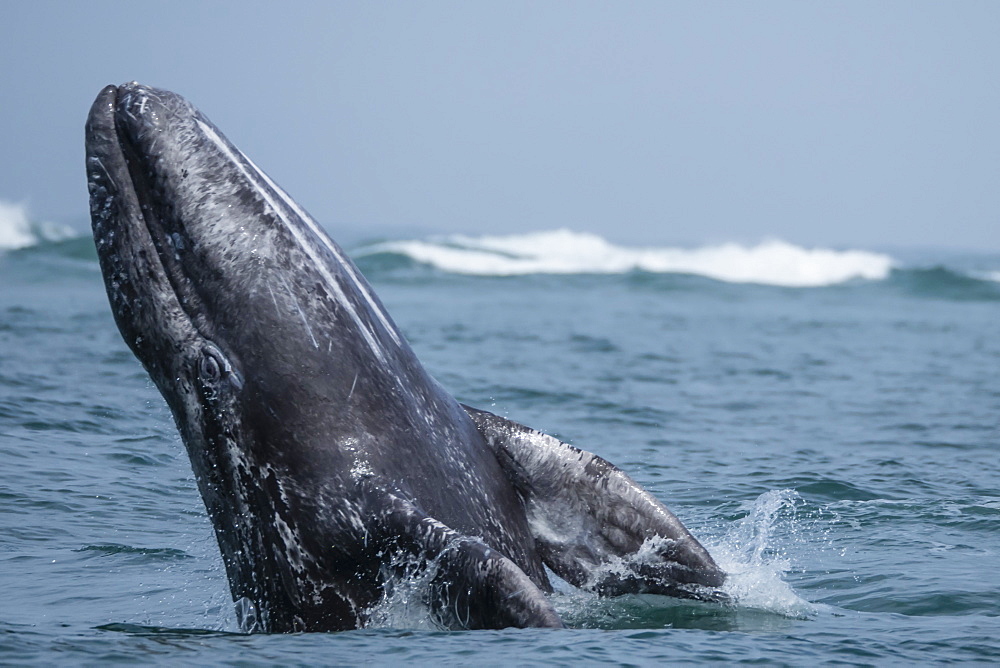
x: 567, y: 252
x: 17, y: 230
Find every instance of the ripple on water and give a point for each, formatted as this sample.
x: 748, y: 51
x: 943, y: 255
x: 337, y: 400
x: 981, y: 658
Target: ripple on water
x: 134, y: 553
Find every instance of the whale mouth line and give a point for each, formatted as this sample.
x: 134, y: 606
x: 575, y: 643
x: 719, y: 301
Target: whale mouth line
x: 142, y: 187
x: 139, y: 181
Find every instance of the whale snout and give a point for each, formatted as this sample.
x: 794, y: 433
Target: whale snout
x: 143, y: 112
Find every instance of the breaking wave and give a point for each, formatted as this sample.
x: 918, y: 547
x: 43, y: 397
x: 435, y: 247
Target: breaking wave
x: 567, y: 252
x: 17, y: 230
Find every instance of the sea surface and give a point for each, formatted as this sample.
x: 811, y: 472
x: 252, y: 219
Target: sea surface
x: 824, y: 420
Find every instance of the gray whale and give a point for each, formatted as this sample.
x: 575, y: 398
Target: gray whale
x: 330, y: 462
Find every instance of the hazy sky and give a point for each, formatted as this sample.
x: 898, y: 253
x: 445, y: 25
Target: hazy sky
x: 822, y: 123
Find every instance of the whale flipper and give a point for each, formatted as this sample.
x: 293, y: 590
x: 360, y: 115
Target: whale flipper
x: 594, y: 526
x: 472, y: 586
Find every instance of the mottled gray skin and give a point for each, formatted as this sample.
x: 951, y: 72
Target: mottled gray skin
x: 323, y: 450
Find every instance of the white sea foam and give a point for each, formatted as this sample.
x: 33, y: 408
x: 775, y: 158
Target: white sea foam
x: 567, y: 252
x: 992, y: 276
x: 17, y: 230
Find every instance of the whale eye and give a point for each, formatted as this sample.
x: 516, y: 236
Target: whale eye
x: 214, y: 367
x: 209, y: 368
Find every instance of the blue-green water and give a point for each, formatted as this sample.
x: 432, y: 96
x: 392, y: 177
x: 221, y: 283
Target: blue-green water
x: 834, y: 446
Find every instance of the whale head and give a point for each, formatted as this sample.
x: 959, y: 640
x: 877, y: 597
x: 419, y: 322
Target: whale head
x: 262, y: 336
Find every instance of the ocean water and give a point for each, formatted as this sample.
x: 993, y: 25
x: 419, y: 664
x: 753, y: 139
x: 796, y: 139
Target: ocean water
x: 825, y: 421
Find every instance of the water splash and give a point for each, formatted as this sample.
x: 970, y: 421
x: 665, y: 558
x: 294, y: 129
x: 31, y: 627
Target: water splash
x: 567, y: 252
x: 754, y: 551
x: 754, y: 554
x: 248, y: 618
x: 407, y: 594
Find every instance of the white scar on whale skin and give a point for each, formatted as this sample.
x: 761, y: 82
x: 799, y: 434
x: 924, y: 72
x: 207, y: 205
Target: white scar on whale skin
x: 297, y: 233
x: 314, y: 226
x: 298, y: 308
